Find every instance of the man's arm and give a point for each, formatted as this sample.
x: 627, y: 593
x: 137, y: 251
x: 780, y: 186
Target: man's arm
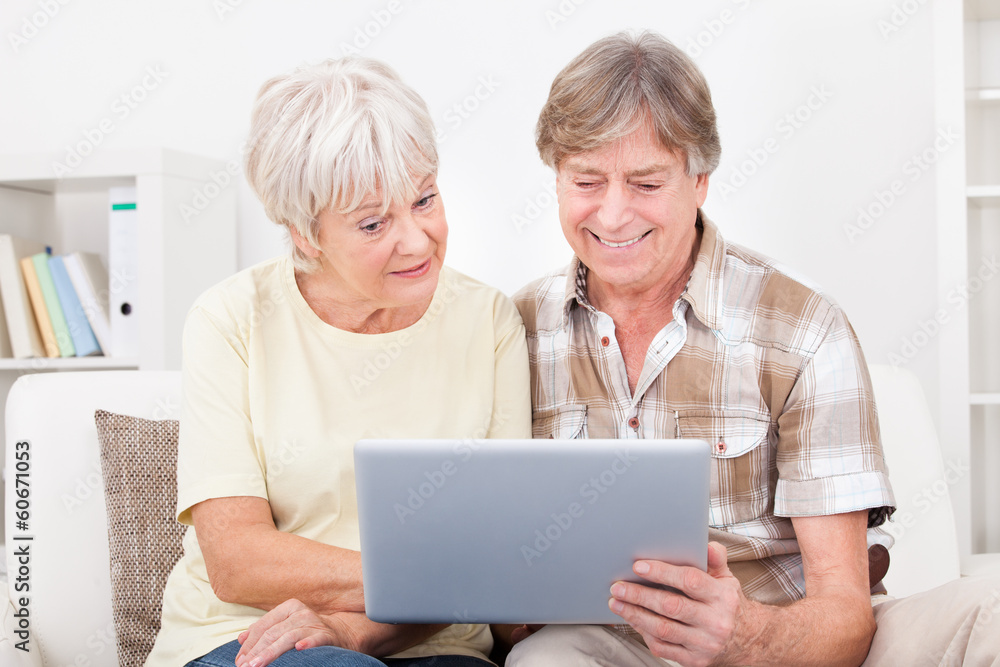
x: 716, y: 624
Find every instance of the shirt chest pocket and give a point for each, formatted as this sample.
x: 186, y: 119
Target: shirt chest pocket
x: 743, y: 474
x: 564, y: 422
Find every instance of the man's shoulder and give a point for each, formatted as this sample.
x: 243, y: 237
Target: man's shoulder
x: 772, y: 303
x: 542, y: 302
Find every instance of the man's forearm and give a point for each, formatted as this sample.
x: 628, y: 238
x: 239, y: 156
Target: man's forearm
x: 810, y: 632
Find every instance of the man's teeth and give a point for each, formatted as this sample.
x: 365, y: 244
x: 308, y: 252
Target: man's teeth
x: 611, y: 244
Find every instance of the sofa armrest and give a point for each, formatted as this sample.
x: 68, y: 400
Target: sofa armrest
x: 66, y: 533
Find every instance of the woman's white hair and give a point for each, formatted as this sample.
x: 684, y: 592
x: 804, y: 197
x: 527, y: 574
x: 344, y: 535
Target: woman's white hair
x: 331, y: 135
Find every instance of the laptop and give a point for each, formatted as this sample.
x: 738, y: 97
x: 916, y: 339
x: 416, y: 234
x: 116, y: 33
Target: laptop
x: 522, y: 531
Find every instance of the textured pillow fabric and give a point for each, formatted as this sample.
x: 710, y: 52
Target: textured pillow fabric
x: 139, y: 464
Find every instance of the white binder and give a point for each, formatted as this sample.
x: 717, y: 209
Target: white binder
x: 123, y: 271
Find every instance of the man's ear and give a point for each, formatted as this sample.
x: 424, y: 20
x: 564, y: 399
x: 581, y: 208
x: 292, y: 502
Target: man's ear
x: 302, y: 244
x: 701, y: 189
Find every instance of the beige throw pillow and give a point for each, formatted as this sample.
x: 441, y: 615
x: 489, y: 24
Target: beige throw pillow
x: 139, y: 463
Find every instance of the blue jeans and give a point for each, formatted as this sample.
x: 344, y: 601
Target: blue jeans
x: 333, y: 656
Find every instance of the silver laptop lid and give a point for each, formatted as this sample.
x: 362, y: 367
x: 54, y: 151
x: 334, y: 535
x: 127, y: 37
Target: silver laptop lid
x: 522, y: 531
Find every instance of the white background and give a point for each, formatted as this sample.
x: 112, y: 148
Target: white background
x: 61, y: 75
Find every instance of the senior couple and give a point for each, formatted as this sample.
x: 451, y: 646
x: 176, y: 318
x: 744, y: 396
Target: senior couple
x: 657, y: 328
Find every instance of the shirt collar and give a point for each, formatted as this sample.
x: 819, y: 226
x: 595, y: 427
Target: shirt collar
x: 703, y: 291
x: 704, y: 288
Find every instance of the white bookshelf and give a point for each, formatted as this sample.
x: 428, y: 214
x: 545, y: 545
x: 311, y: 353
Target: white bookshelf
x: 981, y: 46
x: 186, y: 243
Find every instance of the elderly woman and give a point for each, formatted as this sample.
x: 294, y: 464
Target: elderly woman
x: 362, y: 332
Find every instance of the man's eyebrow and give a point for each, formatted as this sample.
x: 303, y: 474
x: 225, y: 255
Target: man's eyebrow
x: 583, y: 169
x: 648, y: 171
x: 639, y: 173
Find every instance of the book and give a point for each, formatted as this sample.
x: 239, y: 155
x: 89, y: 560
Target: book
x: 90, y: 280
x: 38, y: 306
x: 52, y: 305
x: 22, y: 329
x: 84, y: 341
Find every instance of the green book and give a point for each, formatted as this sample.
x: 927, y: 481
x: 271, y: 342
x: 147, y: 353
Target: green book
x: 59, y: 326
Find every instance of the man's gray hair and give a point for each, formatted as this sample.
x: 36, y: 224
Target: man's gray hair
x: 615, y: 85
x: 331, y: 135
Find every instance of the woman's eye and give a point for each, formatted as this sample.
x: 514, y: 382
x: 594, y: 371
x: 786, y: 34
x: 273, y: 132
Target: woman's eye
x: 426, y: 201
x: 372, y: 227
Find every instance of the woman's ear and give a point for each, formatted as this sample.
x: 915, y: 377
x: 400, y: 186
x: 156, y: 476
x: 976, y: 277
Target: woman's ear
x: 302, y: 244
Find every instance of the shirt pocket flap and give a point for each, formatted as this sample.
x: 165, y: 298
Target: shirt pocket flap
x: 563, y: 422
x: 741, y: 467
x: 729, y: 436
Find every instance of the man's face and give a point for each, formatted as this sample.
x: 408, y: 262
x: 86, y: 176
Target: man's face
x: 628, y: 210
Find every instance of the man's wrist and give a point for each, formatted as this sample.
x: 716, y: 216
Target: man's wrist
x: 748, y: 645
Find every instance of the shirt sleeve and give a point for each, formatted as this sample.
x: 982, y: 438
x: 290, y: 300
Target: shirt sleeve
x: 511, y: 396
x: 217, y: 455
x: 829, y: 446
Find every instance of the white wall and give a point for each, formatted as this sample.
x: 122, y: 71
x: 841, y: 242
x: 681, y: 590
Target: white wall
x: 864, y: 65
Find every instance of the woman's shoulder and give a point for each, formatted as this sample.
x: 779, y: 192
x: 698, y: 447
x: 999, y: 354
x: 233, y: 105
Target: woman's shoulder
x: 475, y: 298
x: 244, y: 293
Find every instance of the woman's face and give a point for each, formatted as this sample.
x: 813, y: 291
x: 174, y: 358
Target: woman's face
x: 372, y: 260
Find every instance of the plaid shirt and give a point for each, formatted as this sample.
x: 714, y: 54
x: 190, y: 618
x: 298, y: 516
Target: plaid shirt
x: 764, y: 368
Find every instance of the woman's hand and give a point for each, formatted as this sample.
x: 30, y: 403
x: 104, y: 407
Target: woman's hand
x: 293, y: 625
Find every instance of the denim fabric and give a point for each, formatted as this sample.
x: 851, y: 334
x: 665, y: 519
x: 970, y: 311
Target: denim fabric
x: 332, y: 656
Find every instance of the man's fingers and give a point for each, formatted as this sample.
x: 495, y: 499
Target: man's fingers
x: 690, y: 580
x: 523, y: 632
x: 718, y: 560
x: 662, y: 635
x: 666, y: 604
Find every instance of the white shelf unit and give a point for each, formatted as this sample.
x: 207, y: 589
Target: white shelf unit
x: 982, y: 177
x: 186, y: 238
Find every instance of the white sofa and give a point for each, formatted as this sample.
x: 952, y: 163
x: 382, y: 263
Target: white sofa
x: 69, y: 605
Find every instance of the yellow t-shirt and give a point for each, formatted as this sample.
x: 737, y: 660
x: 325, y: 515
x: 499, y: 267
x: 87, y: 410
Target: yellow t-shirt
x: 275, y: 398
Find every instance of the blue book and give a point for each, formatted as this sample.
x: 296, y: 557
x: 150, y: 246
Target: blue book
x: 83, y: 337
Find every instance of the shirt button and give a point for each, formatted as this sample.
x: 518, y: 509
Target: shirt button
x: 605, y: 341
x: 720, y: 446
x: 634, y: 422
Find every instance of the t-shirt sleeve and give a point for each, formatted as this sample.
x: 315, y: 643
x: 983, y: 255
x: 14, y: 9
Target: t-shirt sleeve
x: 511, y: 396
x: 217, y: 456
x: 829, y: 446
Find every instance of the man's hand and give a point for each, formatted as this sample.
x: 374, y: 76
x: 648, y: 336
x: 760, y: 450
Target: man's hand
x: 698, y: 629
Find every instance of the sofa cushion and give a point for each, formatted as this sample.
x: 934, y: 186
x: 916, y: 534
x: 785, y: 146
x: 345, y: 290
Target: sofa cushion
x: 139, y: 465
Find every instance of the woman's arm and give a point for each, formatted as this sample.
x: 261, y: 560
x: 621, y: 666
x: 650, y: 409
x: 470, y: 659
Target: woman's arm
x: 250, y: 562
x: 313, y: 591
x: 511, y: 380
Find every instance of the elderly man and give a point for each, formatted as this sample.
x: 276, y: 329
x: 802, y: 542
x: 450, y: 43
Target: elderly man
x: 659, y: 328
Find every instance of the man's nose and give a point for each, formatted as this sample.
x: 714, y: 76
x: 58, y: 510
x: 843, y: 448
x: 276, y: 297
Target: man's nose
x: 615, y: 209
